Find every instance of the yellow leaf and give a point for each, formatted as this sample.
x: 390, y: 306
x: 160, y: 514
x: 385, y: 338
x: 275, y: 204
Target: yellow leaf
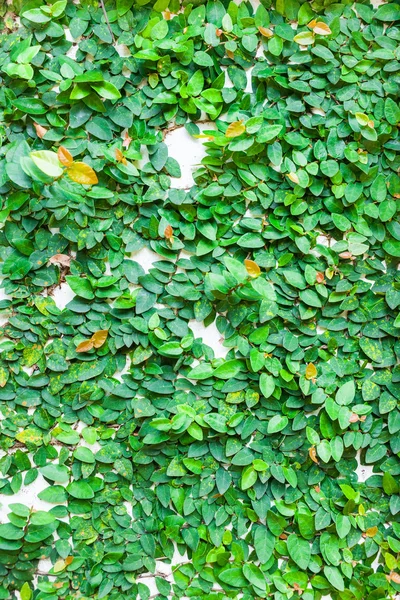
x: 311, y: 371
x: 321, y: 28
x: 293, y: 177
x: 120, y: 157
x: 99, y: 338
x: 252, y: 268
x: 312, y: 24
x: 235, y: 129
x: 64, y: 156
x: 305, y: 38
x: 372, y: 531
x: 266, y: 32
x: 59, y: 565
x: 394, y: 577
x: 85, y: 346
x: 80, y: 172
x: 313, y: 454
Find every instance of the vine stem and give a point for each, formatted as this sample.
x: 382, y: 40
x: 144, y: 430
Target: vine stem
x: 107, y: 21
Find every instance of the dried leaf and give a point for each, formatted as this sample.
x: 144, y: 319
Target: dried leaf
x: 60, y: 259
x: 394, y: 577
x: 99, y: 338
x: 168, y: 232
x: 64, y: 156
x: 311, y: 371
x: 127, y: 140
x: 372, y: 531
x: 265, y: 32
x: 40, y: 130
x: 312, y: 453
x: 84, y: 346
x: 320, y: 277
x: 82, y: 173
x: 252, y: 268
x: 235, y: 129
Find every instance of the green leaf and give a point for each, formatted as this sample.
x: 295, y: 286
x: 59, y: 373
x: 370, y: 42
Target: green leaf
x: 299, y: 551
x: 47, y: 162
x: 334, y: 577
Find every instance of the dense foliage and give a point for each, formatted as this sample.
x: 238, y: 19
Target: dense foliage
x: 242, y: 473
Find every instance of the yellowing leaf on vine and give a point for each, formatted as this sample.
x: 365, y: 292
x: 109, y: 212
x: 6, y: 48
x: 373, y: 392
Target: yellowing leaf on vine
x: 235, y: 129
x: 82, y: 173
x: 321, y: 28
x: 84, y: 346
x: 266, y: 32
x: 99, y: 338
x: 372, y: 531
x: 252, y: 268
x: 120, y: 157
x: 311, y: 371
x: 305, y: 38
x: 312, y: 24
x: 65, y: 156
x: 293, y: 177
x: 313, y: 454
x: 394, y: 577
x: 47, y: 162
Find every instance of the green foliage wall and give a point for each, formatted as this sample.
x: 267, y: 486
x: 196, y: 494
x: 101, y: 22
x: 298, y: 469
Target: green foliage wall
x: 241, y: 473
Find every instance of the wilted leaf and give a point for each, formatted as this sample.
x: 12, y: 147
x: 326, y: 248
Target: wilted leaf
x: 235, y: 129
x: 293, y: 177
x: 120, y: 157
x: 321, y: 28
x: 313, y: 454
x: 82, y: 173
x: 60, y: 259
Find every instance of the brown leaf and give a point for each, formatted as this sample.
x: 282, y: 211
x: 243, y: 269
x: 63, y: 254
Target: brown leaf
x: 372, y: 531
x: 265, y: 32
x: 80, y: 172
x: 65, y: 156
x: 168, y: 232
x: 354, y: 418
x: 84, y: 346
x: 252, y: 268
x: 235, y: 129
x: 40, y: 130
x: 313, y: 454
x: 311, y: 371
x: 320, y: 277
x: 60, y: 259
x: 99, y: 338
x: 120, y: 157
x: 69, y: 560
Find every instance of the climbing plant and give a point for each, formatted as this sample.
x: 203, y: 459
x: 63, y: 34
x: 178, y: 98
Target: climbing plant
x: 164, y: 471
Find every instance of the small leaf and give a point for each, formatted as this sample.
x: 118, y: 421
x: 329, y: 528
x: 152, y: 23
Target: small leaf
x: 120, y: 157
x: 235, y: 129
x: 99, y: 338
x: 252, y: 268
x: 82, y: 173
x: 64, y: 156
x: 85, y: 346
x: 60, y: 259
x: 26, y: 592
x: 311, y: 371
x: 293, y: 177
x: 40, y: 130
x: 305, y: 38
x: 312, y: 453
x: 321, y: 28
x: 265, y: 32
x: 168, y: 232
